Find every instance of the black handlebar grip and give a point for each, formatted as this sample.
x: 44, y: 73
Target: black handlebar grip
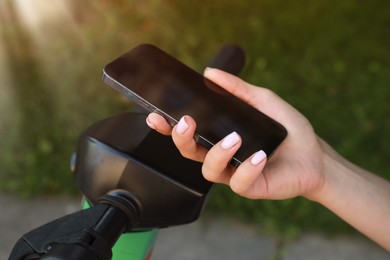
x: 230, y: 58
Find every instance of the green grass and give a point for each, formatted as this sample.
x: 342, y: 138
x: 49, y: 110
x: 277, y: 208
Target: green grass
x: 330, y: 59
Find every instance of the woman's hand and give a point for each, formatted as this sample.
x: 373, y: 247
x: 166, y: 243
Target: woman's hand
x: 294, y: 169
x: 303, y: 165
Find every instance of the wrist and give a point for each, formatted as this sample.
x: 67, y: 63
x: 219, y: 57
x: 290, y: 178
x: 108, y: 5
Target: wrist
x: 330, y: 164
x: 356, y: 195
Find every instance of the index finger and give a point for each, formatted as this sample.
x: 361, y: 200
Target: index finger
x: 158, y: 123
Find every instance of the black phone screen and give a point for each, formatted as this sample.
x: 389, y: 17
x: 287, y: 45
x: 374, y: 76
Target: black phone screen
x: 161, y: 83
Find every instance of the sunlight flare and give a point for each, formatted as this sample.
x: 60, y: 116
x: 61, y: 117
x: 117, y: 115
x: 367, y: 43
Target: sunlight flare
x: 40, y: 15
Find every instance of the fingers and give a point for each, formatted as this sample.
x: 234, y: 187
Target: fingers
x: 216, y: 167
x: 183, y: 137
x: 158, y: 123
x: 248, y: 180
x: 260, y: 98
x: 232, y: 84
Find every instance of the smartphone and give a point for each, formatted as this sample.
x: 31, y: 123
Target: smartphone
x: 160, y: 83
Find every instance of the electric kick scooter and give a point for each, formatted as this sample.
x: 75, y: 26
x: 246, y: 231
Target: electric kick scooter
x: 134, y: 182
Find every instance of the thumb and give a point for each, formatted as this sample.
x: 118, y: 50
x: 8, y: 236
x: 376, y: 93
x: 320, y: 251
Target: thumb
x: 230, y: 83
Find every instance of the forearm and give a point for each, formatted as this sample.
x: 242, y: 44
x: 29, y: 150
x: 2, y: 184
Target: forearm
x: 359, y: 197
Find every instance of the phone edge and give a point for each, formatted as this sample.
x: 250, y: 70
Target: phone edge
x: 151, y: 108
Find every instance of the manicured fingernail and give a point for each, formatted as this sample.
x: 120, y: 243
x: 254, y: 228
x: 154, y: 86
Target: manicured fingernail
x: 230, y: 141
x: 150, y: 124
x: 182, y: 126
x: 258, y: 157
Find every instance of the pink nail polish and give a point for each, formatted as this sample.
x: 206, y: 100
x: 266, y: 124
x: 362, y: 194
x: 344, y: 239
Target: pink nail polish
x: 182, y: 126
x: 230, y: 141
x: 258, y: 157
x: 151, y: 125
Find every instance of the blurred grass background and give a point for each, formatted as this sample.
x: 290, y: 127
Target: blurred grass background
x: 330, y: 59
